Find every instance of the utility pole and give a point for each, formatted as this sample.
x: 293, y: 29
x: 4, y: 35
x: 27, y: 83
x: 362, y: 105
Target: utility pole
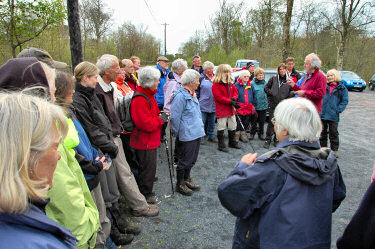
x: 165, y: 38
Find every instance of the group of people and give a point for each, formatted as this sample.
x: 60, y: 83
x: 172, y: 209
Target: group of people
x: 92, y: 137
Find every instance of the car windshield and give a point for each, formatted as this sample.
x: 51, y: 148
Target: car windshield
x: 349, y: 75
x: 269, y: 75
x: 243, y: 64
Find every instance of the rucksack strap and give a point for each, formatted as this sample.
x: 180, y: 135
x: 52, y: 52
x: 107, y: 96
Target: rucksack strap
x: 144, y: 95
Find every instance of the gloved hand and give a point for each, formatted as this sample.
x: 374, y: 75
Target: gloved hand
x: 234, y: 103
x: 164, y: 116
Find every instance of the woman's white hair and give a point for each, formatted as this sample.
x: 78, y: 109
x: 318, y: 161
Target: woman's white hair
x: 23, y: 145
x: 208, y: 64
x: 189, y: 76
x: 105, y: 62
x: 179, y: 66
x: 244, y: 73
x: 315, y: 61
x: 300, y: 118
x: 147, y: 75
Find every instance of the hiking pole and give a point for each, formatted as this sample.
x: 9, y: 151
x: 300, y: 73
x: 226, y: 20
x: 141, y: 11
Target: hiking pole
x: 243, y: 127
x: 170, y: 167
x: 171, y: 142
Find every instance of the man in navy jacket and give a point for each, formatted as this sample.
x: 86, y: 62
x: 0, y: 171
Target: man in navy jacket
x: 285, y: 198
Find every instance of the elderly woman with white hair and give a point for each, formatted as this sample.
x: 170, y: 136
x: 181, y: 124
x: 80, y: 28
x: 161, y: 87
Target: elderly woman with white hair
x: 247, y: 100
x: 187, y: 125
x: 148, y: 122
x: 314, y: 84
x: 206, y: 100
x: 289, y: 192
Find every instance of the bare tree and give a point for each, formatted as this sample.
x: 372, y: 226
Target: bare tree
x: 97, y: 19
x: 349, y: 15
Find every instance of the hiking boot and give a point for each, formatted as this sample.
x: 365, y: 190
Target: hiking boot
x: 120, y: 239
x: 213, y: 140
x: 336, y: 153
x: 232, y: 142
x: 183, y: 189
x: 267, y: 144
x: 151, y: 211
x: 243, y: 136
x: 251, y: 136
x: 261, y: 137
x: 133, y: 230
x: 191, y: 185
x: 237, y: 136
x: 221, y: 143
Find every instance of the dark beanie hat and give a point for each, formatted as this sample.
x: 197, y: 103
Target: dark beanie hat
x: 21, y: 73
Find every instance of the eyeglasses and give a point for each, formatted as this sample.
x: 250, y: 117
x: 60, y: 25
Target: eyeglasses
x: 273, y: 120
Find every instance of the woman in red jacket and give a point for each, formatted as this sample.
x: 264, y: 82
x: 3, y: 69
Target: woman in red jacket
x: 146, y: 136
x: 225, y: 95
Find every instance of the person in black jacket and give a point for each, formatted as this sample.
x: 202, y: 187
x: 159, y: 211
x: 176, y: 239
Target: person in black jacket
x: 291, y: 71
x: 98, y: 128
x: 277, y: 90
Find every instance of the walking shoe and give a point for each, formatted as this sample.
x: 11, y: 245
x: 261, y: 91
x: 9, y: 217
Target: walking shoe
x: 251, y: 136
x: 133, y: 230
x: 148, y: 212
x: 202, y: 141
x: 151, y: 199
x: 267, y: 144
x: 336, y: 153
x: 213, y: 140
x: 120, y: 239
x: 261, y: 137
x: 183, y: 189
x: 191, y: 185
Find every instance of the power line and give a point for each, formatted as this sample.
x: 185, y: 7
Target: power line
x: 152, y: 14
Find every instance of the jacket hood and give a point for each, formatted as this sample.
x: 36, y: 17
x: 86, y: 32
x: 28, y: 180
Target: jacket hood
x: 21, y: 73
x: 305, y: 161
x: 182, y: 91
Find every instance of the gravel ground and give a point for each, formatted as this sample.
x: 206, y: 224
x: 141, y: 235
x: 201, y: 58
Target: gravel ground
x: 199, y: 221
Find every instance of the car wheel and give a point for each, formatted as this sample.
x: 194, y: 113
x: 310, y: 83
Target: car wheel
x: 372, y: 87
x: 361, y: 89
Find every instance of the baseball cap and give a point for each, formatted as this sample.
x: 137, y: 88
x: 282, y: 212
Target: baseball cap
x: 162, y: 58
x: 42, y: 56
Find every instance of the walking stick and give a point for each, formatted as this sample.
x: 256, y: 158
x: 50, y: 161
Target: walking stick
x: 170, y: 167
x: 171, y: 143
x: 244, y: 130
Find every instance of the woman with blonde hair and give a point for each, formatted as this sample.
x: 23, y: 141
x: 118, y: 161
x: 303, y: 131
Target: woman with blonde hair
x: 26, y: 172
x: 334, y: 103
x: 225, y: 95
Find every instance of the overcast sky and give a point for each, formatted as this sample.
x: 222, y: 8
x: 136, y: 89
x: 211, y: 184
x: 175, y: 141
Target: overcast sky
x: 183, y: 16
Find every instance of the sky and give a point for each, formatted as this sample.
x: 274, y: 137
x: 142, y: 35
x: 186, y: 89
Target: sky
x: 183, y: 16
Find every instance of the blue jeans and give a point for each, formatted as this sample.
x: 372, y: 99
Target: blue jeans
x: 210, y: 118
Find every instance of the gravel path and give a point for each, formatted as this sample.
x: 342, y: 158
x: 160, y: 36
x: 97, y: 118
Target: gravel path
x: 199, y: 221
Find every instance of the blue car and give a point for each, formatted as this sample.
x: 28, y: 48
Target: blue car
x: 352, y: 80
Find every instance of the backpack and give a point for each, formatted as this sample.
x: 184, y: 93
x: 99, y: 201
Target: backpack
x: 123, y: 111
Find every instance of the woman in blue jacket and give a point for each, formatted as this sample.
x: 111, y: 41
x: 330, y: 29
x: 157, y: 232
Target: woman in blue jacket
x: 187, y: 125
x: 334, y: 103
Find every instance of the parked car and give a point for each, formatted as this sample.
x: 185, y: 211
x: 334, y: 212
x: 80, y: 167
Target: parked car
x: 371, y: 83
x: 242, y: 63
x: 269, y: 73
x: 352, y: 80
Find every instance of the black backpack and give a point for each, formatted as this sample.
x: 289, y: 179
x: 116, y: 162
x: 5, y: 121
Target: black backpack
x: 123, y: 111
